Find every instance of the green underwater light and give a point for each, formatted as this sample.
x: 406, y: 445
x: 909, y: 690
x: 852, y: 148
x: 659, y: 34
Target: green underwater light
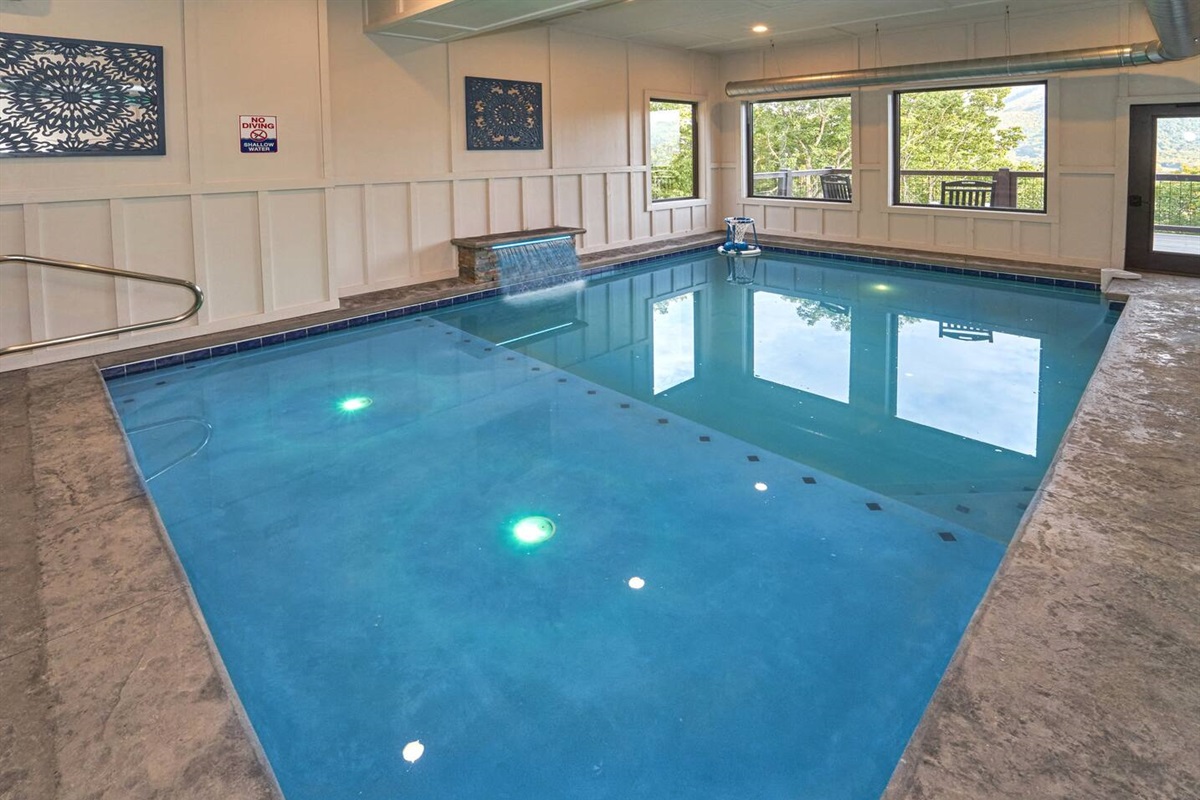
x: 354, y: 403
x: 533, y: 530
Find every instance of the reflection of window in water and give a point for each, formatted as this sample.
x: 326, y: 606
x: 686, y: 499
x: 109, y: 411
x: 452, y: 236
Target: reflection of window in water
x: 803, y: 344
x: 969, y: 381
x: 674, y: 339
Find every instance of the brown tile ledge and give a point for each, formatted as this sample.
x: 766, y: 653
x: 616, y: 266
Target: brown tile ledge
x: 1078, y: 676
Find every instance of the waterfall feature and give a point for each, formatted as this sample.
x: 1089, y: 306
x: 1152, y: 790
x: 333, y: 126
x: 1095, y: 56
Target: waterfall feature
x: 521, y: 262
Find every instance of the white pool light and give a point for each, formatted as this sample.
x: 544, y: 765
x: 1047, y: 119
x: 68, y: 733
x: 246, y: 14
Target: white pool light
x: 533, y: 530
x: 412, y: 751
x: 636, y: 583
x: 354, y: 403
x: 762, y: 487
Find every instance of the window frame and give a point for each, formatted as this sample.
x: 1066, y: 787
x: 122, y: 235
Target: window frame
x: 748, y: 150
x: 700, y: 149
x: 1048, y: 129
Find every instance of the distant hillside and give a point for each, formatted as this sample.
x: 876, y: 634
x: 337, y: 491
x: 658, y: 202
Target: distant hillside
x: 1179, y: 145
x: 1025, y: 108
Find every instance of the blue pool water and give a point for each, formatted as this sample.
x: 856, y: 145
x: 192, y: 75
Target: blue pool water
x: 813, y: 470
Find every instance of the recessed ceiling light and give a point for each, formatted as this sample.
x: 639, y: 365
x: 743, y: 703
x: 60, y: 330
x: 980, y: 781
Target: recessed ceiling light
x: 760, y: 29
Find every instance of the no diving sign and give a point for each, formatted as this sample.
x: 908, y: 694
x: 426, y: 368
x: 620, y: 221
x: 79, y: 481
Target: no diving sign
x: 258, y: 134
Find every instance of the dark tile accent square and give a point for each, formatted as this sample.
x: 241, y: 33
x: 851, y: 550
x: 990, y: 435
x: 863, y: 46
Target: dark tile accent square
x: 947, y: 536
x: 168, y: 361
x: 1022, y: 506
x: 1026, y: 488
x: 809, y: 479
x: 962, y: 509
x: 663, y: 421
x: 536, y: 369
x: 706, y: 438
x: 591, y: 391
x: 510, y: 358
x: 624, y: 405
x: 562, y: 380
x: 752, y: 458
x: 875, y: 506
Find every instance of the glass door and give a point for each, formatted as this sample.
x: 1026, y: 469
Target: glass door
x: 1163, y: 228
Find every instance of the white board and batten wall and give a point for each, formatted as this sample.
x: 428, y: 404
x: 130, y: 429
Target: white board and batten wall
x: 372, y: 177
x: 371, y: 180
x: 1087, y: 139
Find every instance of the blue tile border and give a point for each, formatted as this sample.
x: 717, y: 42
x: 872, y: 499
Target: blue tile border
x: 255, y: 343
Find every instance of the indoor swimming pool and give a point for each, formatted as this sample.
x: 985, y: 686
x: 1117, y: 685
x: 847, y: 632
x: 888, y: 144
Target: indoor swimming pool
x: 710, y: 529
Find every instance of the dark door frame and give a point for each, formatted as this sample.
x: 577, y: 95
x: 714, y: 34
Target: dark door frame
x: 1139, y: 227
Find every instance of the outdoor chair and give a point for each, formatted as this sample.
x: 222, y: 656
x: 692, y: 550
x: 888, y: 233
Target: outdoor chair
x: 835, y: 187
x: 975, y: 194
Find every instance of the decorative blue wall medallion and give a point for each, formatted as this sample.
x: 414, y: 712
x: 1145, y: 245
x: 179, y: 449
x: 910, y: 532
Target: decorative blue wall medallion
x: 503, y: 115
x: 73, y: 97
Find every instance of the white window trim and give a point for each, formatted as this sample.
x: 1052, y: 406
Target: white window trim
x: 701, y: 133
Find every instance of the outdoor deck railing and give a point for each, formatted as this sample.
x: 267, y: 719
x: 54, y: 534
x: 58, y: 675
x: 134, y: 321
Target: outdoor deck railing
x: 1177, y: 203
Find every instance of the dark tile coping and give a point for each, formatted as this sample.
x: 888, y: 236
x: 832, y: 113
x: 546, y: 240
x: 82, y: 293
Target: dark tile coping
x: 493, y: 239
x: 254, y: 343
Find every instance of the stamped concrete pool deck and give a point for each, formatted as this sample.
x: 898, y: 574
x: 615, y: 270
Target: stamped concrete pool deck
x: 1079, y: 676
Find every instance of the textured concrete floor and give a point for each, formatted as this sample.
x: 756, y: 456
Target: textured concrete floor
x: 1079, y: 677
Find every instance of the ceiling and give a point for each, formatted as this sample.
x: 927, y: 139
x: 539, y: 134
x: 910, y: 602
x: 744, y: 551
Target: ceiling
x: 724, y: 26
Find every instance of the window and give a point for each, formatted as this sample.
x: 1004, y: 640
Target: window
x: 800, y: 149
x: 980, y: 147
x: 673, y: 160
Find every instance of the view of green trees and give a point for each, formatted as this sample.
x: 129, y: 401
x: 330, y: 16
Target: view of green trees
x: 810, y: 134
x: 956, y: 132
x: 1177, y: 202
x: 672, y: 150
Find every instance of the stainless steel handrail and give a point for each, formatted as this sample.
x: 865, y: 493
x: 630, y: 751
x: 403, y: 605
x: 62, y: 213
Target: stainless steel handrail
x: 197, y: 293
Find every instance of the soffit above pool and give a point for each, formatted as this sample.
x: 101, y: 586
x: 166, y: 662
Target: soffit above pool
x: 712, y: 26
x: 447, y: 20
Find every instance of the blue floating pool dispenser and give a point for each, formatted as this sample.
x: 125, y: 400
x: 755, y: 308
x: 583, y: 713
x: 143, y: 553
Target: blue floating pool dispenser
x: 736, y: 243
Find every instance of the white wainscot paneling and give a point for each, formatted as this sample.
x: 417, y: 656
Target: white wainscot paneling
x: 872, y: 221
x: 841, y: 224
x: 951, y: 232
x: 388, y: 229
x: 346, y: 226
x: 1035, y: 239
x: 619, y: 198
x: 595, y: 210
x: 568, y: 203
x: 1085, y: 217
x: 808, y: 221
x: 76, y: 302
x: 435, y: 254
x: 232, y: 255
x: 470, y: 208
x: 637, y: 198
x: 994, y: 235
x: 14, y: 285
x: 681, y: 220
x: 298, y: 253
x: 537, y: 200
x: 907, y: 228
x: 779, y: 219
x: 158, y: 240
x: 505, y: 205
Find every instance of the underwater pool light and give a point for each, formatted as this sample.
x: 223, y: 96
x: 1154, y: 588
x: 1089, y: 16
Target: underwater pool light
x: 881, y: 287
x: 533, y: 530
x: 636, y: 583
x: 762, y: 487
x: 412, y: 751
x: 354, y: 403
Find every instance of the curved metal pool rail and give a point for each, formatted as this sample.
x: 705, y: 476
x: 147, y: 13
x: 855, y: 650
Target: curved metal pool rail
x: 197, y: 294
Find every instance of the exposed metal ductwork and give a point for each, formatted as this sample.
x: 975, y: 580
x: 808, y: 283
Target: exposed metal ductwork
x: 1177, y: 23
